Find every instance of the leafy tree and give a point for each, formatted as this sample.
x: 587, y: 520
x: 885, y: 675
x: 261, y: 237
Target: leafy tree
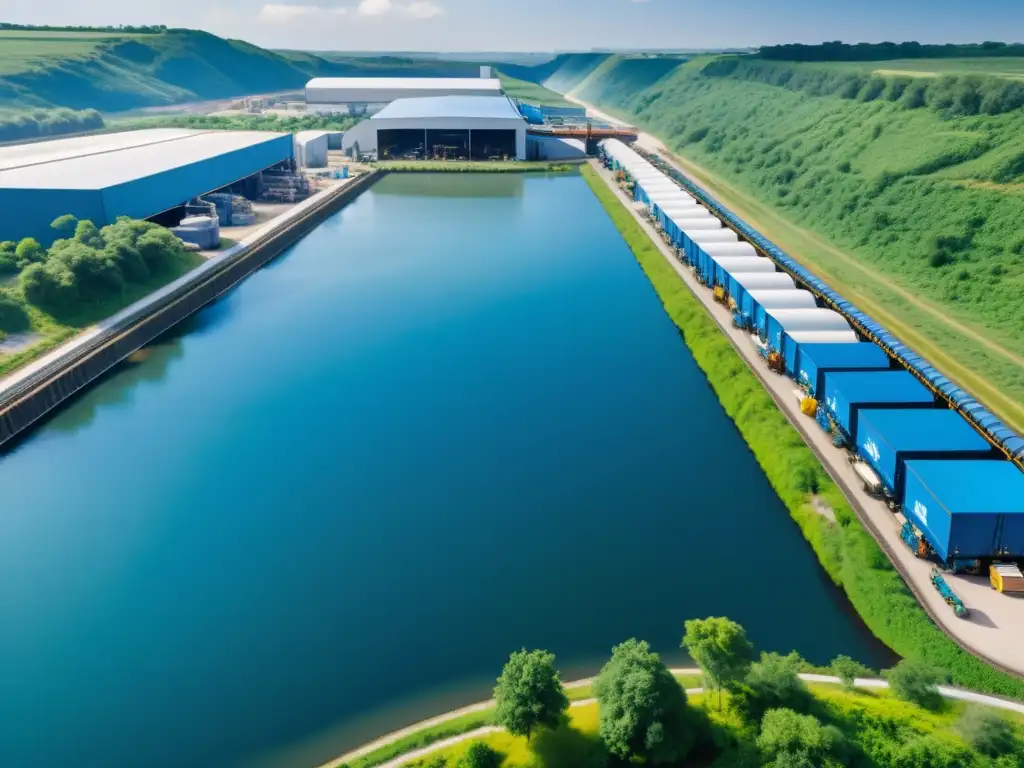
x: 13, y: 317
x: 771, y: 683
x: 8, y: 257
x: 916, y: 682
x: 96, y: 274
x: 529, y: 693
x: 930, y: 752
x: 721, y: 650
x: 29, y: 251
x: 848, y: 670
x: 791, y: 740
x: 988, y: 732
x: 481, y: 755
x: 46, y: 287
x: 643, y: 712
x: 128, y: 259
x: 87, y: 234
x: 65, y: 225
x: 158, y: 248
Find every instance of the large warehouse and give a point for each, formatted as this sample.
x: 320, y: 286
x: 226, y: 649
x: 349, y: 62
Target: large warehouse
x: 137, y: 174
x: 449, y: 127
x: 364, y: 94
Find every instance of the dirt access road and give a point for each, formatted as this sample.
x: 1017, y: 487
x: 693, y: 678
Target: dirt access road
x: 798, y: 241
x: 996, y: 624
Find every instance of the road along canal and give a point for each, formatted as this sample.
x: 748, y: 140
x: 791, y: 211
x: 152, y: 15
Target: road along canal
x: 452, y: 421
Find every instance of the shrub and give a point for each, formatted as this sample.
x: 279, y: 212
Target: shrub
x: 929, y: 752
x: 771, y: 683
x: 916, y: 682
x: 915, y: 95
x: 50, y: 288
x: 13, y: 318
x: 9, y: 257
x: 844, y: 166
x: 792, y: 740
x: 481, y: 755
x: 696, y: 135
x: 848, y: 670
x: 987, y: 731
x: 29, y: 251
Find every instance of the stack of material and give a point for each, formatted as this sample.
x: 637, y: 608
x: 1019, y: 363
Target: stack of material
x: 285, y: 186
x: 1006, y: 578
x: 241, y: 212
x: 203, y: 231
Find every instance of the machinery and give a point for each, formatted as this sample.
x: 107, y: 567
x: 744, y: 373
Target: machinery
x: 1006, y: 578
x: 951, y: 598
x: 915, y: 542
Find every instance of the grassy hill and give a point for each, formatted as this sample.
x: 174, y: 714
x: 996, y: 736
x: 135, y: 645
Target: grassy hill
x: 906, y: 192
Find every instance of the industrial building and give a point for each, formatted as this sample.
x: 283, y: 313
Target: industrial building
x: 138, y: 174
x: 445, y: 127
x: 366, y: 95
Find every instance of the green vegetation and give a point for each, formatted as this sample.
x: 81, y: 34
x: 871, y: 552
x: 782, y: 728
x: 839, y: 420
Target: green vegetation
x: 16, y: 125
x: 839, y: 51
x: 643, y: 717
x: 721, y: 649
x: 848, y: 553
x: 859, y: 183
x: 467, y: 166
x: 848, y: 670
x: 529, y: 694
x: 531, y: 93
x: 85, y: 276
x: 643, y: 708
x: 915, y: 681
x: 261, y: 122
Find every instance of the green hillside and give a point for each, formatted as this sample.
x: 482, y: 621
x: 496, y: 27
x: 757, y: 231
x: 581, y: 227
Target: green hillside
x: 907, y: 193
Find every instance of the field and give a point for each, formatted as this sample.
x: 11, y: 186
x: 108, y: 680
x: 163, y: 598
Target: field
x: 33, y: 51
x: 913, y: 213
x: 1012, y: 68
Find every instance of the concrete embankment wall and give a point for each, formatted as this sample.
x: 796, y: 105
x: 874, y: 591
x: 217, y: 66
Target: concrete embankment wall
x: 70, y: 376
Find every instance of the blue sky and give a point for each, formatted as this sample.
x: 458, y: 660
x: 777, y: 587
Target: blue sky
x: 545, y: 25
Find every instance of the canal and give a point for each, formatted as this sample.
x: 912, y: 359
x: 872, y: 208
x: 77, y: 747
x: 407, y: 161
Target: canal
x: 452, y: 421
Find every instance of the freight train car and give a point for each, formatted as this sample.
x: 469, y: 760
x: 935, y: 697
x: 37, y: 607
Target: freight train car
x: 740, y: 282
x: 812, y: 361
x: 704, y: 254
x: 848, y: 392
x: 970, y: 509
x: 888, y: 438
x: 757, y: 302
x: 781, y: 320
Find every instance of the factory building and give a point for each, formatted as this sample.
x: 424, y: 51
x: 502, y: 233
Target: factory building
x: 138, y: 174
x: 367, y: 95
x: 445, y: 127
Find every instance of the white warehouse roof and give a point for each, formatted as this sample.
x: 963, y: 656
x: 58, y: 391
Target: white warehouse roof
x: 481, y: 107
x: 379, y: 90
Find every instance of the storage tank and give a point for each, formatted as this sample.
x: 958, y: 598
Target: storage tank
x: 781, y: 320
x: 704, y: 252
x: 756, y: 301
x: 888, y: 438
x: 967, y: 509
x: 812, y: 360
x: 847, y: 392
x: 723, y: 266
x: 741, y: 282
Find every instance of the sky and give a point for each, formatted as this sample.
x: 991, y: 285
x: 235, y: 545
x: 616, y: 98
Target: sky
x: 546, y: 25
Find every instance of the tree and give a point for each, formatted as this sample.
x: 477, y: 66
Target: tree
x: 529, y: 693
x: 848, y: 670
x: 46, y: 287
x: 29, y: 251
x: 65, y: 225
x: 721, y: 650
x: 771, y: 683
x: 481, y: 755
x: 159, y: 247
x: 988, y: 732
x: 13, y: 317
x: 791, y: 740
x: 930, y: 752
x: 643, y: 712
x: 9, y: 257
x: 87, y: 234
x: 916, y: 682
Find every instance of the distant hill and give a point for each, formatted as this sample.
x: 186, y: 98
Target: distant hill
x: 121, y: 70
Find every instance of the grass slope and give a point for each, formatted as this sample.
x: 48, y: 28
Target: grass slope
x: 845, y: 549
x: 532, y: 93
x: 916, y: 210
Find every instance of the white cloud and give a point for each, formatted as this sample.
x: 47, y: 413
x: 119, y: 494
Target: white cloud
x: 423, y: 9
x: 374, y: 7
x: 280, y: 13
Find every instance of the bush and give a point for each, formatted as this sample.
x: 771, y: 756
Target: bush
x: 844, y: 166
x: 987, y: 731
x: 13, y: 318
x: 792, y: 740
x: 8, y: 258
x: 771, y: 683
x: 52, y: 288
x: 848, y: 670
x: 930, y: 752
x: 481, y: 755
x: 29, y: 251
x: 916, y: 682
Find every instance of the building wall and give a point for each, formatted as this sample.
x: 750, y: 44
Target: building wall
x: 28, y: 212
x: 365, y: 133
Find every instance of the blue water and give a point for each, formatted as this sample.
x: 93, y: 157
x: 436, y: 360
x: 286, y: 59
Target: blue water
x: 452, y: 421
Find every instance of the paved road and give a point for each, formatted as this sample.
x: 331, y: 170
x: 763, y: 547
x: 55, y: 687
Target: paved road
x: 408, y: 757
x: 997, y: 622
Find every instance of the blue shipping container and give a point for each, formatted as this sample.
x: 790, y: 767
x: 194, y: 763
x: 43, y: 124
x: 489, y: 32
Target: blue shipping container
x: 967, y: 509
x: 887, y: 438
x: 846, y: 392
x: 812, y: 361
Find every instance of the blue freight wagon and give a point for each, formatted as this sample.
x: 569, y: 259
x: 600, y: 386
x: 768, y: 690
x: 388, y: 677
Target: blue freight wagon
x: 793, y: 341
x: 756, y: 302
x: 740, y: 283
x: 706, y: 254
x: 847, y: 392
x: 812, y: 361
x: 888, y: 438
x: 969, y: 509
x: 780, y: 320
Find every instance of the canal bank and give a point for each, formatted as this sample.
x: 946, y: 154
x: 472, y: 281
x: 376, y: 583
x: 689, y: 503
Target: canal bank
x: 444, y: 424
x: 795, y: 459
x: 35, y: 390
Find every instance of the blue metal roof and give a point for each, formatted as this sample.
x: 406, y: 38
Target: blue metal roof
x: 916, y: 429
x: 1000, y: 434
x: 976, y: 486
x: 879, y: 386
x: 482, y: 107
x: 841, y: 355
